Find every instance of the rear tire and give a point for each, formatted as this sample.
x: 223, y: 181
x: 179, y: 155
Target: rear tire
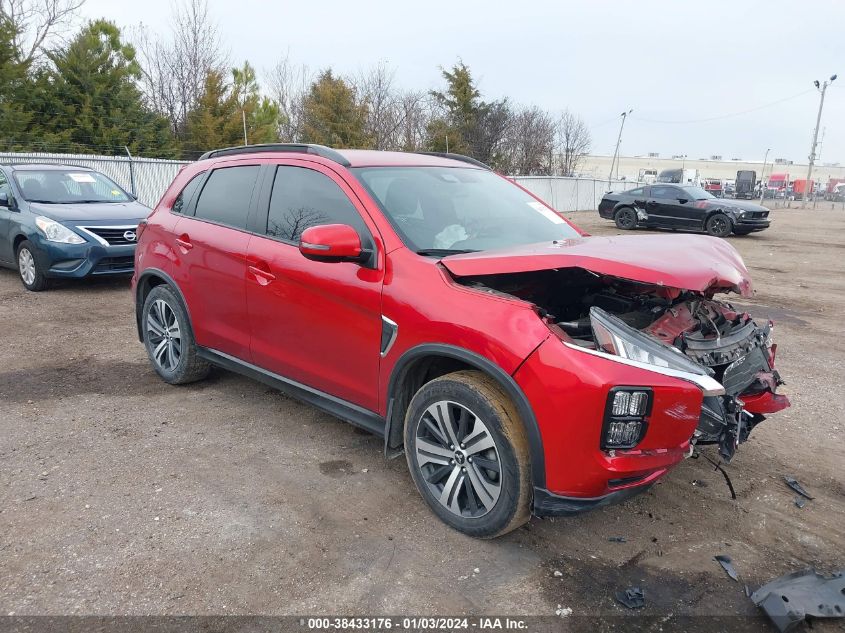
x: 468, y: 456
x: 31, y: 273
x: 169, y: 340
x: 718, y: 225
x: 625, y: 218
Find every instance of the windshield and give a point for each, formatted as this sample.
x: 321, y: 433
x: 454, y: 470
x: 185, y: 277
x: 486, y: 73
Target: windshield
x: 455, y: 209
x: 68, y: 186
x: 697, y: 193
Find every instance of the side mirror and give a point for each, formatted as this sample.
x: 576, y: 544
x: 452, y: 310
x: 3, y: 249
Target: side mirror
x: 4, y: 200
x: 332, y: 243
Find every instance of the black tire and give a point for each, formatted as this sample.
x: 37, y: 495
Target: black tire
x: 474, y: 398
x: 173, y: 357
x: 625, y: 218
x: 718, y: 225
x: 30, y: 270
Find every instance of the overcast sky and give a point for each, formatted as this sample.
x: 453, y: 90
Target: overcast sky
x: 669, y: 60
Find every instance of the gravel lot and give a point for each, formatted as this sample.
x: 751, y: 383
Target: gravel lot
x: 122, y: 495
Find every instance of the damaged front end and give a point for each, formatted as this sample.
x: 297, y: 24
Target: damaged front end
x: 682, y: 330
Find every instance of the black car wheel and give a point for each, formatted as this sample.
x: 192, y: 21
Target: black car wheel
x: 32, y: 275
x: 168, y: 338
x: 626, y: 218
x: 468, y: 455
x: 718, y: 225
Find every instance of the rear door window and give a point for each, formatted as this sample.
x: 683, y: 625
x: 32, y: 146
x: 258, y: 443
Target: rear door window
x: 302, y: 198
x: 226, y: 196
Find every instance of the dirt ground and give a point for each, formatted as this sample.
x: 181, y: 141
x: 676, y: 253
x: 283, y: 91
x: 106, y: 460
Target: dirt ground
x: 122, y: 495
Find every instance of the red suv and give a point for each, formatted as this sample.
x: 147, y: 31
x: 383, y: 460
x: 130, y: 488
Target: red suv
x: 522, y: 365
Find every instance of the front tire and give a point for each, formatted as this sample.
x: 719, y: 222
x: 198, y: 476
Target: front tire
x: 169, y: 340
x: 625, y: 218
x: 468, y: 456
x: 31, y: 273
x: 718, y: 225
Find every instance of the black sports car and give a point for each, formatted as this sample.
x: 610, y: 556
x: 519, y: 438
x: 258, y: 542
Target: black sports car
x: 682, y: 207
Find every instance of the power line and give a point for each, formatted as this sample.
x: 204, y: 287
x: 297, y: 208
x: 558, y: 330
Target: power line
x: 726, y: 116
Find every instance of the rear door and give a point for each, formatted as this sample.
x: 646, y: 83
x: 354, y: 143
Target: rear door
x: 8, y: 218
x: 316, y: 323
x: 212, y: 242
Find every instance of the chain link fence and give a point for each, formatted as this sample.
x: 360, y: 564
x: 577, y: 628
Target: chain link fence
x: 147, y: 178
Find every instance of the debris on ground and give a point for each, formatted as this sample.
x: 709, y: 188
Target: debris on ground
x: 617, y: 539
x: 557, y: 574
x: 797, y: 487
x: 563, y: 611
x: 727, y: 565
x: 699, y: 483
x: 792, y: 598
x: 633, y: 597
x: 718, y: 466
x: 799, y: 501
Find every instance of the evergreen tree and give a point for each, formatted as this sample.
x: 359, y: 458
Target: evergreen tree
x: 331, y: 114
x: 89, y: 100
x: 14, y: 83
x: 263, y: 115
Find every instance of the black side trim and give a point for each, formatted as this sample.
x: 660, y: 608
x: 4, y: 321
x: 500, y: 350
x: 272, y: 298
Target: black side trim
x: 342, y: 409
x: 296, y: 148
x: 532, y: 430
x: 547, y: 504
x: 464, y: 159
x: 155, y: 272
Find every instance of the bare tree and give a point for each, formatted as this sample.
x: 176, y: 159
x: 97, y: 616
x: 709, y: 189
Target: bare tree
x: 288, y: 84
x: 375, y: 88
x: 530, y: 143
x: 175, y: 69
x: 415, y: 109
x: 574, y: 142
x: 35, y: 23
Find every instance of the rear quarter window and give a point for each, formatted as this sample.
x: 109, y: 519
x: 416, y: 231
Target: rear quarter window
x: 184, y: 198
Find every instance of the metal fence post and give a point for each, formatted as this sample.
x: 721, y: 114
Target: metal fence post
x: 131, y: 171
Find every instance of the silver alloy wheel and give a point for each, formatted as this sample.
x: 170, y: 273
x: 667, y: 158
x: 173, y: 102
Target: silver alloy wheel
x: 26, y: 264
x: 458, y: 459
x: 164, y: 335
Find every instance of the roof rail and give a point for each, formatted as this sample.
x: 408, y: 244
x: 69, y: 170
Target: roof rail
x: 460, y: 157
x: 299, y: 148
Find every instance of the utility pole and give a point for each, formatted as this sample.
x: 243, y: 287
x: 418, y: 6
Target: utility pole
x: 763, y: 175
x: 822, y: 89
x: 243, y: 116
x: 624, y: 115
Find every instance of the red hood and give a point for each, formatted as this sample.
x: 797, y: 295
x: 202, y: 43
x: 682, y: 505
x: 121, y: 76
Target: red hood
x: 688, y: 262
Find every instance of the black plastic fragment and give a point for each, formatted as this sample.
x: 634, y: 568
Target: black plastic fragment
x: 727, y: 565
x: 617, y: 539
x: 792, y: 598
x: 633, y: 597
x: 799, y: 502
x: 797, y: 487
x: 718, y: 466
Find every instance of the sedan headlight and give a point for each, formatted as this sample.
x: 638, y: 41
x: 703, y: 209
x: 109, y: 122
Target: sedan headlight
x: 614, y: 336
x: 55, y: 232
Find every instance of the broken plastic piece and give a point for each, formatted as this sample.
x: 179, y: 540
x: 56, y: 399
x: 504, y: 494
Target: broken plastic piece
x: 727, y: 565
x: 617, y: 539
x: 793, y: 483
x: 790, y: 599
x: 633, y: 597
x: 799, y: 502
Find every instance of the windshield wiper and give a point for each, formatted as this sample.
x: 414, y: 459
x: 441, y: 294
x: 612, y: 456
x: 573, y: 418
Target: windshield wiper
x: 443, y: 252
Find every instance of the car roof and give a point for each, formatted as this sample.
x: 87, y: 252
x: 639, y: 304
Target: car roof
x: 45, y: 166
x: 377, y: 158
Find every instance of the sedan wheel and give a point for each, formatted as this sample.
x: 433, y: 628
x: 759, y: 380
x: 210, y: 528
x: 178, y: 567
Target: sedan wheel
x: 626, y: 219
x: 719, y: 225
x: 32, y: 276
x: 459, y: 459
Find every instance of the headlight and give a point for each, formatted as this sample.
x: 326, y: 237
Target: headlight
x: 56, y: 232
x: 613, y: 336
